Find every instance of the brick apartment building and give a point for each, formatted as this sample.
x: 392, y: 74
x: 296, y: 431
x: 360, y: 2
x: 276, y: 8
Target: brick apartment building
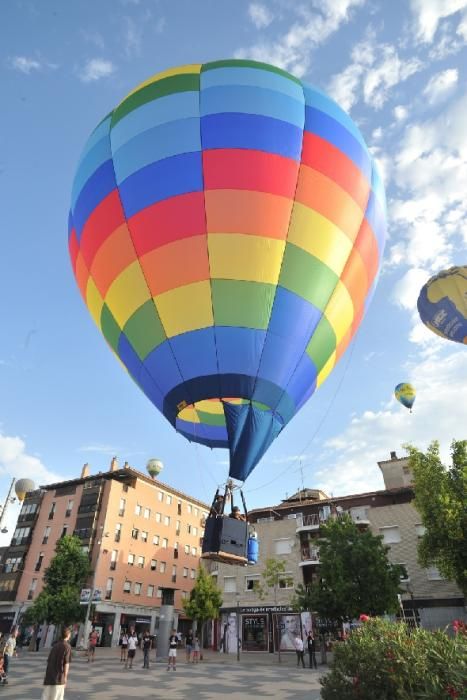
x: 143, y: 538
x: 290, y: 531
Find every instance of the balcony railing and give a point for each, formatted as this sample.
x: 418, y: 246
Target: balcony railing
x: 310, y: 555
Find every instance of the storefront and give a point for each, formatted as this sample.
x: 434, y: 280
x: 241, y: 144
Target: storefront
x: 261, y: 628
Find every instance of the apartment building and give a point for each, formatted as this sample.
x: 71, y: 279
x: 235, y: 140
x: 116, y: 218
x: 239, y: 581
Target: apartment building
x: 290, y: 531
x: 143, y: 539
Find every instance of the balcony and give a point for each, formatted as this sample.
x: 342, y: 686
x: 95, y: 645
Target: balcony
x: 310, y: 556
x: 309, y: 523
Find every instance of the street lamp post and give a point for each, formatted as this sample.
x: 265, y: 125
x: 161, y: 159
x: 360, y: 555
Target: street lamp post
x: 238, y: 626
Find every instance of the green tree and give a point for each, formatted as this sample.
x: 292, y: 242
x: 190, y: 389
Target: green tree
x: 205, y: 600
x: 355, y: 574
x: 273, y: 579
x: 58, y: 602
x: 441, y: 500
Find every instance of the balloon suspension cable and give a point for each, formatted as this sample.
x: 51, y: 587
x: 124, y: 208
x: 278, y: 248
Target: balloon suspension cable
x: 200, y: 467
x: 298, y: 458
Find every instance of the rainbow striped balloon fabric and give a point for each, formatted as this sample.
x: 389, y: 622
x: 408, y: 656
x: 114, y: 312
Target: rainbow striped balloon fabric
x: 226, y: 229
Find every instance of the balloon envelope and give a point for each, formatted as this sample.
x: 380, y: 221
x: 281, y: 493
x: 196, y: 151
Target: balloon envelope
x: 226, y: 229
x: 154, y: 467
x: 22, y: 487
x: 442, y: 304
x: 405, y: 394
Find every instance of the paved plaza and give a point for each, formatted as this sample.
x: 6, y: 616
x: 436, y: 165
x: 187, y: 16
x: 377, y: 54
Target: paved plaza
x: 218, y: 676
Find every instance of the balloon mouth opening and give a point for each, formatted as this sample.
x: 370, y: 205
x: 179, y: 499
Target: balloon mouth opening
x: 210, y: 413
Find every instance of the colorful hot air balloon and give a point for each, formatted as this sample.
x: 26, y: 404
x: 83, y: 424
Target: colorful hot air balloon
x: 405, y: 394
x: 226, y: 229
x: 22, y: 487
x: 442, y: 304
x: 154, y: 467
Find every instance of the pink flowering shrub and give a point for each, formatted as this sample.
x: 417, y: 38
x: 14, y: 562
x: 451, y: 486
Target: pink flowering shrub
x: 387, y: 661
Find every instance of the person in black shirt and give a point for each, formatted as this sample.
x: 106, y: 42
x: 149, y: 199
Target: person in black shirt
x: 146, y: 646
x: 173, y: 641
x: 58, y: 664
x: 189, y: 646
x: 311, y: 645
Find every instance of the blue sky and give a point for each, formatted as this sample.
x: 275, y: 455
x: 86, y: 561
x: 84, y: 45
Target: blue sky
x: 399, y: 68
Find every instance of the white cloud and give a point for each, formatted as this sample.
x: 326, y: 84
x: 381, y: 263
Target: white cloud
x: 100, y: 449
x: 441, y: 85
x: 260, y: 15
x: 375, y: 70
x: 407, y: 289
x: 24, y: 64
x: 16, y: 462
x: 349, y: 462
x: 314, y: 26
x: 95, y: 69
x: 429, y: 13
x: 400, y: 113
x: 132, y: 37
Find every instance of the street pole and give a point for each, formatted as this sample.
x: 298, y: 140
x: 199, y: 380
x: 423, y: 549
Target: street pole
x: 238, y: 627
x: 87, y: 621
x: 8, y: 499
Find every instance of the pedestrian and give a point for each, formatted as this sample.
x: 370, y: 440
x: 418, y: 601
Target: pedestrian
x: 189, y: 645
x: 123, y: 646
x: 9, y: 650
x: 58, y: 664
x: 92, y: 644
x: 146, y: 644
x: 38, y: 637
x: 195, y: 650
x: 173, y: 641
x: 311, y: 644
x: 299, y: 650
x: 132, y: 644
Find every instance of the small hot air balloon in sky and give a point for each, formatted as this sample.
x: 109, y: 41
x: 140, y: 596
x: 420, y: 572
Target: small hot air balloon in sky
x: 405, y: 394
x: 226, y: 229
x: 22, y: 487
x: 154, y: 467
x: 442, y: 304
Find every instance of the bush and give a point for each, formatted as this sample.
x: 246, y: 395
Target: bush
x: 387, y: 661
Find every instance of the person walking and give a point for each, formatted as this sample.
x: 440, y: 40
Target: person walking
x: 9, y: 650
x: 38, y: 637
x: 146, y: 645
x: 58, y: 664
x: 311, y: 645
x: 189, y: 645
x: 195, y: 650
x: 299, y: 650
x: 92, y: 644
x: 132, y: 644
x: 123, y: 647
x: 173, y: 641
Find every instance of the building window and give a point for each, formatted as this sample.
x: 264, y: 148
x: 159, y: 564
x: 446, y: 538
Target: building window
x: 283, y: 546
x: 184, y: 595
x: 420, y: 530
x: 127, y: 587
x: 137, y: 509
x: 404, y: 576
x: 251, y: 582
x: 189, y: 508
x: 177, y: 527
x: 174, y: 574
x: 32, y: 588
x: 160, y: 496
x: 169, y: 499
x: 64, y: 531
x: 188, y: 528
x: 141, y: 562
x: 193, y: 551
x: 13, y: 564
x: 108, y: 589
x: 391, y: 534
x: 187, y: 549
x: 137, y: 588
x: 162, y: 567
x: 433, y: 574
x: 135, y: 533
x: 147, y: 513
x: 165, y: 543
x: 159, y: 592
x: 113, y: 559
x: 52, y: 511
x: 185, y: 572
x: 195, y: 531
x: 196, y: 511
x: 144, y: 536
x: 166, y: 519
x: 158, y: 517
x: 39, y: 561
x: 155, y: 539
x: 150, y: 592
x: 45, y: 539
x: 286, y: 581
x: 69, y: 508
x: 118, y: 532
x: 179, y: 508
x: 131, y: 559
x: 153, y: 564
x: 121, y: 508
x: 193, y: 573
x: 230, y: 584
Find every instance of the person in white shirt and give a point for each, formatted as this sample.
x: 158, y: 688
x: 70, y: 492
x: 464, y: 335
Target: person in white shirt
x: 299, y: 650
x: 132, y: 644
